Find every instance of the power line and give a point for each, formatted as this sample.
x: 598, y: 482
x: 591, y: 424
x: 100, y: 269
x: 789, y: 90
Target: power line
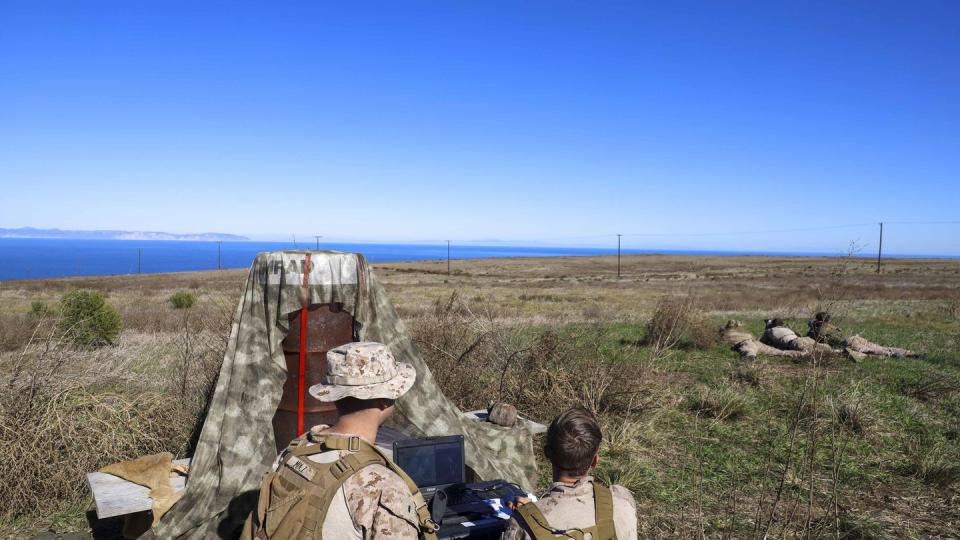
x: 769, y: 231
x: 529, y: 241
x: 618, y: 254
x: 922, y: 222
x: 880, y: 248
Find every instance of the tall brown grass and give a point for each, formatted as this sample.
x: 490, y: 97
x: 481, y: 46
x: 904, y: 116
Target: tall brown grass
x: 678, y: 321
x: 67, y: 410
x: 479, y: 357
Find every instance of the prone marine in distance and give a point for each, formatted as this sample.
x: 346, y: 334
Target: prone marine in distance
x: 823, y: 330
x: 741, y: 340
x: 780, y: 336
x: 333, y: 483
x: 576, y: 504
x: 822, y: 337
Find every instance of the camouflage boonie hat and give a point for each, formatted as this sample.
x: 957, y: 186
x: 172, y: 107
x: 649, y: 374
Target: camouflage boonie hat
x: 363, y: 370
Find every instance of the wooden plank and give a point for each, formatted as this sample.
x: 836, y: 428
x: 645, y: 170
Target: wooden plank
x: 115, y: 496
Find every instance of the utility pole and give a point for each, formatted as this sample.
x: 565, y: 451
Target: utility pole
x: 448, y: 257
x: 618, y: 255
x: 218, y: 254
x: 880, y: 249
x: 138, y: 259
x: 318, y: 241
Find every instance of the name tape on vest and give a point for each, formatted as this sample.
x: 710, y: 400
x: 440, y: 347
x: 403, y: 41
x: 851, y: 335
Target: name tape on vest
x: 301, y: 468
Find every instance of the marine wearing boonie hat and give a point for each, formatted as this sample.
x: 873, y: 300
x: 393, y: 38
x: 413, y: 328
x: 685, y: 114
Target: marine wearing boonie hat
x: 357, y: 493
x: 364, y: 370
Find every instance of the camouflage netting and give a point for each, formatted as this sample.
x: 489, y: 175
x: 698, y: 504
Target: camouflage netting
x: 237, y: 445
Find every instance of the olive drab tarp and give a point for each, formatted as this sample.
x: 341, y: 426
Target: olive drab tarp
x: 236, y: 445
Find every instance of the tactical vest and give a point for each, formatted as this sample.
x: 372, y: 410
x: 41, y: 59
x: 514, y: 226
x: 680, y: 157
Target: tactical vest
x: 540, y: 528
x: 295, y: 498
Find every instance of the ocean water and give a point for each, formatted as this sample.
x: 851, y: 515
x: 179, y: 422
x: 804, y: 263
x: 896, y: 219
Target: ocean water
x: 28, y: 258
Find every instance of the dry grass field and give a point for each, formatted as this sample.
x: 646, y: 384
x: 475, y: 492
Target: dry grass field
x: 711, y: 445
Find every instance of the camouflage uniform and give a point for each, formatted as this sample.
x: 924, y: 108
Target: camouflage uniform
x: 825, y: 332
x: 569, y: 506
x: 373, y: 504
x: 822, y: 330
x: 863, y: 346
x: 742, y: 341
x: 782, y: 337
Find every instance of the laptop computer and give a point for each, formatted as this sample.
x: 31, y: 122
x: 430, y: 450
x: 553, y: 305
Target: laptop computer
x: 434, y: 463
x: 476, y: 511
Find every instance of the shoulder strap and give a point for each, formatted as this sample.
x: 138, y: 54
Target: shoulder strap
x: 541, y: 529
x: 365, y: 454
x: 603, y: 508
x: 536, y: 522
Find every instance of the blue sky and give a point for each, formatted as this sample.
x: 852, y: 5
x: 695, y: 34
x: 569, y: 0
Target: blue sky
x: 522, y: 121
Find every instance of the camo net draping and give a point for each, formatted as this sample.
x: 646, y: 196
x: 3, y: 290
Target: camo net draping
x: 236, y: 445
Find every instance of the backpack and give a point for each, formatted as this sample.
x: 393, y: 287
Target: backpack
x: 295, y: 498
x: 540, y: 528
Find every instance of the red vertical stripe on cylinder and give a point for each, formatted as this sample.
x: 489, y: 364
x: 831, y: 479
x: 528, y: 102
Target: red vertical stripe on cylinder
x: 301, y: 380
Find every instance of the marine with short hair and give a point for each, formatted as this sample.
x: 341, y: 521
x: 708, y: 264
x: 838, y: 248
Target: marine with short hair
x: 823, y: 330
x: 576, y: 505
x: 333, y: 482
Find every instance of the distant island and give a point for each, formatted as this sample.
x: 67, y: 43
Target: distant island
x: 30, y: 232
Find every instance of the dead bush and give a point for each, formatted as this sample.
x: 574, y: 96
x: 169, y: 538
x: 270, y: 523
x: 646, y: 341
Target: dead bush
x: 68, y: 410
x: 47, y: 448
x: 16, y: 330
x: 198, y: 349
x: 669, y: 323
x: 458, y: 345
x: 559, y: 371
x: 677, y: 322
x: 703, y: 333
x: 478, y: 358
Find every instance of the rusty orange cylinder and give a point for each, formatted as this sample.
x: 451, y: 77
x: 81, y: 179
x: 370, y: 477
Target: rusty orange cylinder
x: 328, y: 326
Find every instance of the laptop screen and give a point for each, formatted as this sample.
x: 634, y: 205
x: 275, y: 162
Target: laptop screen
x: 431, y: 461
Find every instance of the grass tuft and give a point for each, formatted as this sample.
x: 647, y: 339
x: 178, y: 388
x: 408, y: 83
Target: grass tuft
x: 719, y: 403
x: 932, y: 462
x: 182, y: 300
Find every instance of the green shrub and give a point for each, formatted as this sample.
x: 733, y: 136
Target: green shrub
x: 87, y: 319
x: 39, y: 308
x: 182, y: 300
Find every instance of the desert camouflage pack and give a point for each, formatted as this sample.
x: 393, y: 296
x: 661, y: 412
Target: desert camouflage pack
x: 236, y: 446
